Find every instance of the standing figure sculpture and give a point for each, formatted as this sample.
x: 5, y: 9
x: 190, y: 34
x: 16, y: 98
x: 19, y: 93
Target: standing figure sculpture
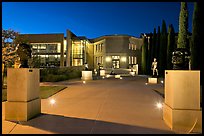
x: 86, y: 66
x: 154, y: 67
x: 24, y: 53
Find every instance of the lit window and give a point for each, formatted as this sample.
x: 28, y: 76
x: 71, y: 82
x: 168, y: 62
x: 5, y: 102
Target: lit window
x: 129, y: 60
x: 132, y: 60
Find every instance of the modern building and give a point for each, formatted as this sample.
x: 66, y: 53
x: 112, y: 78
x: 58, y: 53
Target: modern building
x: 118, y: 51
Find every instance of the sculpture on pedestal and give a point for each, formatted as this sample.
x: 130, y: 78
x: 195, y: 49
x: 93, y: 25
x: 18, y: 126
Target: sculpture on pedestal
x: 24, y: 53
x: 86, y: 67
x: 154, y: 68
x: 180, y: 59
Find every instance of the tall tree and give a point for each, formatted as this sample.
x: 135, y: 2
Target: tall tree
x: 196, y: 40
x: 154, y: 40
x: 150, y: 54
x: 144, y: 55
x: 183, y: 26
x: 157, y: 44
x: 170, y: 45
x: 162, y: 49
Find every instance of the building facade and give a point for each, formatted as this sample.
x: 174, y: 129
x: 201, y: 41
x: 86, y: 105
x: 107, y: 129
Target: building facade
x: 118, y: 51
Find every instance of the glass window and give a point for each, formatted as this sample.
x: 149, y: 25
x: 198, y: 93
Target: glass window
x: 129, y: 60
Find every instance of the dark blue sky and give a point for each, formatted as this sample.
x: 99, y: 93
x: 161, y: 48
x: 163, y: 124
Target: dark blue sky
x: 91, y: 19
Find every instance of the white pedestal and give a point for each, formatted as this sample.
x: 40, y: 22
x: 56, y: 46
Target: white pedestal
x: 182, y: 100
x: 86, y: 75
x: 102, y: 73
x: 23, y: 100
x: 117, y: 76
x: 152, y: 80
x: 132, y: 73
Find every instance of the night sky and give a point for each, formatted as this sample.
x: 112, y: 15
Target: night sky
x: 91, y: 19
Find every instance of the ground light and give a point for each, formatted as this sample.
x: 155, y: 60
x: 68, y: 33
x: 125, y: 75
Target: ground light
x: 146, y: 83
x: 84, y: 82
x: 162, y: 81
x: 159, y: 105
x: 121, y: 78
x: 52, y: 101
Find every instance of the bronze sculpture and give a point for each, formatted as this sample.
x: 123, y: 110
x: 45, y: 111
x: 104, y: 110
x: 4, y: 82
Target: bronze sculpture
x: 24, y: 53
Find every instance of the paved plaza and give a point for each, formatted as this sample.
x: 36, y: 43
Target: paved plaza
x: 105, y: 106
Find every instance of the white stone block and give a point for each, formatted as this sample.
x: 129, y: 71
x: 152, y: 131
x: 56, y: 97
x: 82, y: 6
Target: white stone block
x: 182, y: 89
x: 152, y: 80
x: 86, y: 75
x: 22, y: 111
x: 182, y: 120
x: 117, y: 76
x: 102, y: 72
x: 22, y: 84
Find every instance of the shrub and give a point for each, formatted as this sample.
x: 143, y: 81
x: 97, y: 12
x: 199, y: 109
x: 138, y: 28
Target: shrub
x: 60, y: 74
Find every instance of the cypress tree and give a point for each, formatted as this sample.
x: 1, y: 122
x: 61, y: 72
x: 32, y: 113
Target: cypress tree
x: 196, y: 40
x: 170, y: 46
x: 157, y: 44
x: 163, y: 49
x: 149, y: 54
x: 154, y: 40
x: 144, y: 55
x: 183, y: 26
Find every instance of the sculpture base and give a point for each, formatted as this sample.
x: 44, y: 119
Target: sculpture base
x: 22, y: 111
x: 132, y: 73
x: 117, y: 76
x: 87, y: 75
x: 183, y: 120
x: 152, y: 80
x: 102, y: 73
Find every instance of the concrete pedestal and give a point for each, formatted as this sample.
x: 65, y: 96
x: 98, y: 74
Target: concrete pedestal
x: 23, y: 100
x: 87, y: 75
x: 152, y: 80
x: 181, y: 111
x: 22, y: 111
x: 132, y: 73
x: 102, y: 73
x: 117, y: 76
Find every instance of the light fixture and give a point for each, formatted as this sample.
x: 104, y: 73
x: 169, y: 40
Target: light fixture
x: 108, y: 59
x: 84, y: 82
x: 162, y: 81
x: 123, y: 59
x: 146, y: 83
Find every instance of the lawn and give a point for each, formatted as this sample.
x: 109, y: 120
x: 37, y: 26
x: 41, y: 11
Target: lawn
x: 45, y: 91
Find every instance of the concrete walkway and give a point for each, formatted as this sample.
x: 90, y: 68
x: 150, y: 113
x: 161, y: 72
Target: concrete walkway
x: 110, y: 106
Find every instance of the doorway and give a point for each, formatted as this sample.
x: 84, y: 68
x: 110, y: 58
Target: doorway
x: 116, y: 63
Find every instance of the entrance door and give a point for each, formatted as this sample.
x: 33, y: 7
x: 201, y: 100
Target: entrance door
x: 116, y: 64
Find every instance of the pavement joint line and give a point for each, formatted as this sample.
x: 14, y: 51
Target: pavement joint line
x: 100, y: 108
x: 13, y: 128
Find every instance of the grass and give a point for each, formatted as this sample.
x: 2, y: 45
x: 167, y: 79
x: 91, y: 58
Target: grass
x: 45, y: 91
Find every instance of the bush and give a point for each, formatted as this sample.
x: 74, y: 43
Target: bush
x: 60, y: 74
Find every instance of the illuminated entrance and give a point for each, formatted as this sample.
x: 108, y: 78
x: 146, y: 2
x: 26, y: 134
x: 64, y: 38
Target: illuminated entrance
x: 116, y: 61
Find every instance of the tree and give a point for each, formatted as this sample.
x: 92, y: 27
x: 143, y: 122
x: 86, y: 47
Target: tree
x: 157, y: 44
x: 162, y: 49
x: 149, y: 54
x: 170, y: 46
x: 144, y: 55
x: 196, y: 40
x: 9, y: 47
x: 154, y: 40
x: 183, y: 26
